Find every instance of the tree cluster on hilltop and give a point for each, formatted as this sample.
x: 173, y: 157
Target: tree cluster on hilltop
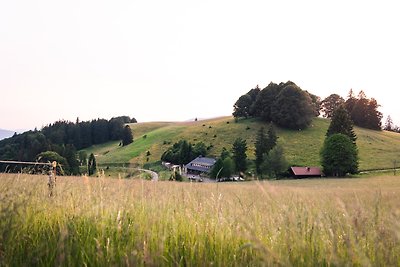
x: 362, y: 110
x: 288, y: 106
x: 64, y: 138
x: 284, y: 104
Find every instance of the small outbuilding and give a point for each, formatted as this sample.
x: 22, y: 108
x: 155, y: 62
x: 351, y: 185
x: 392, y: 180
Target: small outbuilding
x: 305, y: 172
x: 200, y: 165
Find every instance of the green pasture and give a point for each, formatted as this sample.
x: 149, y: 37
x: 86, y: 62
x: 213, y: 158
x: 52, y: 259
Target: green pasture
x: 377, y: 149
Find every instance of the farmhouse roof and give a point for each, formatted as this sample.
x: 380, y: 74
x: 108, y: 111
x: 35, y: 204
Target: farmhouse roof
x: 202, y: 164
x: 306, y: 171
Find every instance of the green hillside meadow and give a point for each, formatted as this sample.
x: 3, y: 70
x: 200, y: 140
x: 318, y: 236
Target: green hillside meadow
x: 377, y: 149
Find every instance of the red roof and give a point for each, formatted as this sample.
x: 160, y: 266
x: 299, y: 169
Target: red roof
x: 306, y: 171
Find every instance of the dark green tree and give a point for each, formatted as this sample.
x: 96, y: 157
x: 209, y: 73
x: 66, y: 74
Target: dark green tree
x: 242, y: 107
x: 183, y: 152
x: 339, y: 156
x: 239, y: 150
x: 100, y: 131
x: 200, y: 149
x: 265, y: 142
x: 224, y: 167
x: 261, y: 148
x: 92, y: 166
x: 292, y: 108
x: 350, y: 102
x: 274, y: 163
x: 253, y: 93
x: 225, y: 153
x: 374, y: 117
x: 116, y: 128
x: 262, y: 107
x: 69, y: 154
x: 330, y: 104
x: 127, y: 136
x: 364, y: 112
x: 229, y: 167
x: 341, y: 123
x: 272, y: 138
x: 316, y: 102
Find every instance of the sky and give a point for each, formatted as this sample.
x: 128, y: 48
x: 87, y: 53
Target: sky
x: 180, y: 59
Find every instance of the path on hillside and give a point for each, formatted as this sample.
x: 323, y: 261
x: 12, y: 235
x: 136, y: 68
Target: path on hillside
x: 154, y: 175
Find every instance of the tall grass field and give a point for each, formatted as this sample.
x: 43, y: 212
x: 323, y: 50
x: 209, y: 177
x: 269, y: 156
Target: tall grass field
x: 133, y: 222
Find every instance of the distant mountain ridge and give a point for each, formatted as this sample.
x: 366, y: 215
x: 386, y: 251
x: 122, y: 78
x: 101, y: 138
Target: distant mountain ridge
x: 5, y: 134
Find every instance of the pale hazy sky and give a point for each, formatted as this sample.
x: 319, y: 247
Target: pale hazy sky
x: 176, y: 60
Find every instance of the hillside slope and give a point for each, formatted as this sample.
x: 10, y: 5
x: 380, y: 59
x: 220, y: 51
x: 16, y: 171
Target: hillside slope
x: 377, y: 149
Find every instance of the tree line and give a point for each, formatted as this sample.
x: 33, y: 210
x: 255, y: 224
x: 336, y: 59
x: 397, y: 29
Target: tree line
x: 288, y: 106
x: 64, y: 138
x: 363, y: 111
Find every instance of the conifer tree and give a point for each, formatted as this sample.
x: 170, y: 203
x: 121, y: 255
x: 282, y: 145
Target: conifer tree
x: 389, y: 124
x: 339, y: 155
x: 239, y: 154
x: 272, y: 138
x: 342, y: 123
x: 264, y: 144
x: 261, y: 148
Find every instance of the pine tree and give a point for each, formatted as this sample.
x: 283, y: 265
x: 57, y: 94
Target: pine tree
x: 339, y: 155
x: 342, y: 123
x: 389, y: 124
x: 264, y: 144
x: 261, y: 148
x: 350, y: 102
x: 239, y: 154
x: 272, y: 138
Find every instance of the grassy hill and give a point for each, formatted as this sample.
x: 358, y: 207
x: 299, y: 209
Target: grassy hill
x: 377, y: 149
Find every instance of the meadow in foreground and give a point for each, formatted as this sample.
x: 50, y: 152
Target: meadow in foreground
x: 108, y: 222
